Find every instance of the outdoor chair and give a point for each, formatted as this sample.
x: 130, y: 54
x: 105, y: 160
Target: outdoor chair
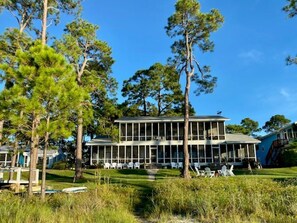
x: 137, y: 165
x: 197, y: 165
x: 209, y: 173
x: 113, y: 166
x: 180, y: 165
x: 173, y: 165
x: 130, y: 165
x: 223, y: 171
x: 106, y: 165
x: 230, y: 171
x: 199, y: 173
x: 119, y: 166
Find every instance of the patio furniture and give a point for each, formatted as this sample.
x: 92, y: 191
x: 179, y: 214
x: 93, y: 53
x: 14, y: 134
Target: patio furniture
x: 197, y: 165
x: 113, y: 166
x: 130, y: 165
x: 180, y: 165
x: 230, y: 171
x: 106, y: 165
x: 199, y: 173
x: 223, y: 171
x: 119, y: 166
x: 209, y: 173
x: 173, y: 165
x: 137, y: 165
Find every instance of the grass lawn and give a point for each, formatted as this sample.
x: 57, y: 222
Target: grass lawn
x: 263, y: 195
x: 59, y: 179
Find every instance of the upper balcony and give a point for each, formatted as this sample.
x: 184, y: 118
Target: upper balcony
x: 158, y: 129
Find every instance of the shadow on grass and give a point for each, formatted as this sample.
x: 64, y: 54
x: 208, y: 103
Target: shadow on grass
x: 62, y: 178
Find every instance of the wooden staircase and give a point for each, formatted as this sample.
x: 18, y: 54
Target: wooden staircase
x: 274, y: 151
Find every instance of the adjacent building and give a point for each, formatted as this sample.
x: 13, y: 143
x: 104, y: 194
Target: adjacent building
x: 272, y: 144
x: 159, y: 141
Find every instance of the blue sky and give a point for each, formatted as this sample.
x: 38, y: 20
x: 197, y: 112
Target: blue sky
x: 249, y: 55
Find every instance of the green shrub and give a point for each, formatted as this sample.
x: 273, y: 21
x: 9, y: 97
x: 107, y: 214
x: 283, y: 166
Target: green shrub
x: 60, y: 165
x: 108, y: 204
x: 288, y: 158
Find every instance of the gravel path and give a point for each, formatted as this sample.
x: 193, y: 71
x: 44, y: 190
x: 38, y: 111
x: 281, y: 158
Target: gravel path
x: 152, y: 174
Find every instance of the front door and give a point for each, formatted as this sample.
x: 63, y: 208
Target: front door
x: 153, y: 154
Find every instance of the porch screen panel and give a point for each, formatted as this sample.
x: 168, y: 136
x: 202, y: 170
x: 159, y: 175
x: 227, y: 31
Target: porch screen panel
x: 208, y: 154
x: 108, y: 154
x: 224, y: 157
x: 207, y: 130
x: 155, y: 130
x: 238, y: 153
x: 129, y: 132
x: 147, y: 151
x: 136, y: 132
x: 174, y: 153
x: 160, y: 154
x: 174, y: 131
x: 94, y: 155
x: 141, y: 154
x: 167, y: 154
x: 221, y: 130
x: 128, y: 154
x: 194, y: 153
x: 245, y: 150
x: 168, y: 131
x: 215, y: 132
x: 180, y: 153
x: 162, y: 130
x: 135, y: 153
x: 230, y: 153
x: 201, y: 153
x: 115, y: 154
x: 148, y: 131
x: 122, y: 154
x: 181, y: 130
x: 101, y: 153
x: 194, y: 130
x: 123, y: 132
x: 142, y: 132
x: 201, y: 131
x: 251, y: 150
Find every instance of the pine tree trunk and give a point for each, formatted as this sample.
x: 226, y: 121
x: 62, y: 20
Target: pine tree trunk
x: 33, y: 154
x: 1, y: 131
x: 186, y: 173
x: 46, y: 141
x: 44, y: 23
x: 13, y: 158
x: 78, y: 160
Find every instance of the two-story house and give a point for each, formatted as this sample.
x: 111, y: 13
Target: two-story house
x: 159, y: 141
x: 272, y: 144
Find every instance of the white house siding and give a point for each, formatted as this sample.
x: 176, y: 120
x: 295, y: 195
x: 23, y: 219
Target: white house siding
x: 151, y: 140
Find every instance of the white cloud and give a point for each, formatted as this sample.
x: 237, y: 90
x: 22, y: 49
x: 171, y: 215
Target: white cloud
x: 251, y: 56
x: 285, y: 93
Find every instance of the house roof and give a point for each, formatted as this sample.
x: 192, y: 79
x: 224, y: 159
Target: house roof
x: 171, y: 119
x: 277, y: 131
x: 230, y: 138
x: 240, y: 138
